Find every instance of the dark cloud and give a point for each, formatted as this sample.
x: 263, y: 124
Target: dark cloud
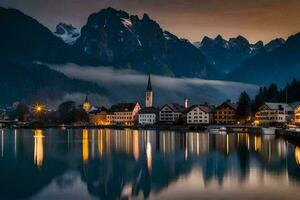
x: 192, y: 19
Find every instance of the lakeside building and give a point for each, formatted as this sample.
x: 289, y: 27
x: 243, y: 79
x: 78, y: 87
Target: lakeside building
x: 170, y: 113
x: 123, y: 114
x: 200, y: 114
x: 274, y: 113
x: 98, y: 116
x: 296, y: 108
x: 148, y: 116
x: 225, y: 113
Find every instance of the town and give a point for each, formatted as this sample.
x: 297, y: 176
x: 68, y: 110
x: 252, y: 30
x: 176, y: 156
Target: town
x: 133, y: 114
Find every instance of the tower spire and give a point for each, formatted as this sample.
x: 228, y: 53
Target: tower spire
x: 149, y: 93
x: 149, y: 87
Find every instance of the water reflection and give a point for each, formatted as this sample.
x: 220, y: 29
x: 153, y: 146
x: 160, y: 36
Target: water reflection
x: 297, y: 155
x: 38, y: 148
x: 85, y: 145
x: 114, y: 164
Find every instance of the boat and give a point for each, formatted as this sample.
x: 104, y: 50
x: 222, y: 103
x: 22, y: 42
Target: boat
x: 217, y: 130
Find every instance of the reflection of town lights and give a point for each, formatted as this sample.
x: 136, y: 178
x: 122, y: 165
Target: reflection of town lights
x: 38, y: 148
x: 85, y: 145
x: 136, y: 150
x: 149, y: 156
x: 297, y: 155
x: 257, y: 143
x: 100, y: 143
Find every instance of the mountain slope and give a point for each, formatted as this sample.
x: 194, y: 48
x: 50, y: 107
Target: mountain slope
x: 126, y: 41
x: 227, y: 55
x: 279, y: 65
x: 27, y: 82
x: 22, y: 38
x: 67, y: 33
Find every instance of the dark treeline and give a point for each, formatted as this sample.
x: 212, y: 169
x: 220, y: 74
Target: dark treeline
x: 66, y: 113
x: 290, y: 93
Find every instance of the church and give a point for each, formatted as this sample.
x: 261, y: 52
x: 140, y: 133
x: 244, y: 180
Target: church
x: 149, y: 114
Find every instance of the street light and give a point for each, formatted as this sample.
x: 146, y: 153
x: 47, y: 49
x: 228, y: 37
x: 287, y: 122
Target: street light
x: 38, y: 108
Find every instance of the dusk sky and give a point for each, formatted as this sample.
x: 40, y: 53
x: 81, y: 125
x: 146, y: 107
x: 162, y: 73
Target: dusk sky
x: 191, y: 19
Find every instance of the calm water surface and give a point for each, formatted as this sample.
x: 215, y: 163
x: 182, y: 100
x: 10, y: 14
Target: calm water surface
x: 124, y: 164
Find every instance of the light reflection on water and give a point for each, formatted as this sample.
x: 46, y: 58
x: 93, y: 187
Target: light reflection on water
x: 114, y: 164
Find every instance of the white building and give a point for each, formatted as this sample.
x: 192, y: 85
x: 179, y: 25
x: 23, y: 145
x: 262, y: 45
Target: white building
x: 200, y: 114
x: 171, y: 112
x: 123, y: 114
x: 272, y: 113
x: 148, y: 116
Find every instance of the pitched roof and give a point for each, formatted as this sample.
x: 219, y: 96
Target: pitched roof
x: 149, y: 110
x: 175, y: 107
x: 123, y: 107
x: 230, y: 104
x: 203, y: 107
x: 275, y: 106
x: 295, y: 104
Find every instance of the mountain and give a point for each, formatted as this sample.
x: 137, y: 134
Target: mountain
x: 22, y: 38
x: 126, y: 41
x: 30, y: 81
x: 23, y: 41
x: 278, y: 65
x: 68, y: 33
x: 227, y: 55
x: 274, y: 44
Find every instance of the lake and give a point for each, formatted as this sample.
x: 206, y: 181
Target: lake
x: 124, y: 164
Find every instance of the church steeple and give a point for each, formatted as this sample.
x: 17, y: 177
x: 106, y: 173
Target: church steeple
x: 149, y: 94
x: 86, y: 104
x: 86, y: 99
x: 149, y: 87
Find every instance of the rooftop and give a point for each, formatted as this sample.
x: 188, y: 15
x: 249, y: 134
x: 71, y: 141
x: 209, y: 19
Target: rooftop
x: 149, y: 110
x: 175, y: 107
x: 123, y: 107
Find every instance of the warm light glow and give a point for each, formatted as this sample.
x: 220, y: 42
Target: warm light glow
x: 136, y: 151
x: 39, y: 108
x: 100, y: 143
x: 257, y: 143
x: 297, y: 155
x: 256, y: 122
x: 85, y: 145
x: 38, y: 148
x: 149, y: 156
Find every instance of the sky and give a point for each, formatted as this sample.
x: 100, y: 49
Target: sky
x: 192, y: 19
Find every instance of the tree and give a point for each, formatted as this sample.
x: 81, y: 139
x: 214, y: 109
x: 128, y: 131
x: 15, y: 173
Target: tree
x: 21, y: 111
x: 65, y: 111
x: 244, y: 106
x: 80, y: 115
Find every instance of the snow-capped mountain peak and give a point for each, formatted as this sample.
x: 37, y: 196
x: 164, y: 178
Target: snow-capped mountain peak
x: 68, y: 33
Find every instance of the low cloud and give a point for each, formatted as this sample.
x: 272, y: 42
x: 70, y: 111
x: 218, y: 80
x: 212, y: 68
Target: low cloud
x: 129, y: 85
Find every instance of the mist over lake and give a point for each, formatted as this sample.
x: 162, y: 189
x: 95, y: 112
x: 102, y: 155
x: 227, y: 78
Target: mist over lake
x: 129, y: 85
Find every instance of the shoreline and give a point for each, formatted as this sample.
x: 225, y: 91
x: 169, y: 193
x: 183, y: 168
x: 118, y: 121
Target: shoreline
x: 163, y: 127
